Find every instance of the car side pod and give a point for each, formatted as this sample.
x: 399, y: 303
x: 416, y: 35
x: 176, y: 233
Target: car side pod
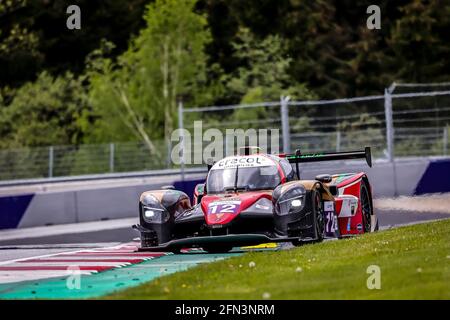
x: 293, y: 211
x: 157, y: 210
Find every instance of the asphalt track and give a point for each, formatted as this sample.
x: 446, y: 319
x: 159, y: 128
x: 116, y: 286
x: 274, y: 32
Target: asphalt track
x: 387, y: 218
x: 105, y: 260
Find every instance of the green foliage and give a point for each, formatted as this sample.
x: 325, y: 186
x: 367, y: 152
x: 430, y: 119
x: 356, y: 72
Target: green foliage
x: 264, y: 71
x: 206, y: 52
x: 37, y: 39
x: 262, y: 76
x: 45, y: 112
x: 138, y: 94
x: 20, y: 56
x: 365, y: 130
x: 419, y: 40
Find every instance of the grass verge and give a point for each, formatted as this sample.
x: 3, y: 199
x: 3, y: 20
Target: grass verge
x: 414, y: 262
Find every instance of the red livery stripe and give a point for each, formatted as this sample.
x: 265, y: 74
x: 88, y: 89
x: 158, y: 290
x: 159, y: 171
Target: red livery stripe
x: 114, y: 254
x: 40, y: 268
x: 82, y: 260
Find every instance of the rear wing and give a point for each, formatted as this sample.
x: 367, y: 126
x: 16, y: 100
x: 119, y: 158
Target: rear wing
x: 298, y: 157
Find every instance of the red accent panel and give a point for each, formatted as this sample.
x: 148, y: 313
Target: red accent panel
x: 246, y: 200
x: 133, y: 261
x: 112, y: 254
x: 53, y: 268
x: 338, y: 206
x: 352, y: 178
x: 356, y: 220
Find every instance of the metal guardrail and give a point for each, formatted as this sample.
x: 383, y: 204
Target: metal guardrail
x: 104, y: 176
x: 393, y: 124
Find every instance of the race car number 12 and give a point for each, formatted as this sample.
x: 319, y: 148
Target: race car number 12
x: 223, y: 208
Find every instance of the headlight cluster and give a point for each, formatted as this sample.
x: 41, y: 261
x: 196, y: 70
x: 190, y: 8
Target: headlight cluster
x: 153, y: 211
x: 292, y: 201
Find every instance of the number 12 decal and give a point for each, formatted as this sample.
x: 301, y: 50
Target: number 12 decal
x: 223, y: 208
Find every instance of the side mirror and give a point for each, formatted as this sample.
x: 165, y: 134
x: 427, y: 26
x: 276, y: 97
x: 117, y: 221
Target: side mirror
x: 199, y: 191
x: 324, y: 178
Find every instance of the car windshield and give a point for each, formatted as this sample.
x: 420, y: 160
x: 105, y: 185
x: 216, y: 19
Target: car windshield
x: 242, y: 178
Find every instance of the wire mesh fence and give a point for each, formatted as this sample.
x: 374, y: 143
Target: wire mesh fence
x: 338, y: 125
x: 400, y: 123
x: 58, y: 161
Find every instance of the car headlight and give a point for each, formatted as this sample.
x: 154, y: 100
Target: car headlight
x: 292, y: 201
x: 155, y: 215
x: 153, y: 211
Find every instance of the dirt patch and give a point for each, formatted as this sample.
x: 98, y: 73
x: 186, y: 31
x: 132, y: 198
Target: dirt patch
x: 436, y: 203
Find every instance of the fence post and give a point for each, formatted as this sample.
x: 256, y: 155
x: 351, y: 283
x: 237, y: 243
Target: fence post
x: 445, y: 140
x: 285, y: 124
x: 111, y: 157
x: 50, y: 161
x: 169, y: 150
x: 389, y: 124
x: 338, y: 141
x: 181, y: 127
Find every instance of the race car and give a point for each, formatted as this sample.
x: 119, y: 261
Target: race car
x: 256, y: 198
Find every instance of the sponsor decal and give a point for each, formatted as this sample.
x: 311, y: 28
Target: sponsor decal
x: 359, y: 227
x: 329, y: 206
x: 342, y: 177
x: 242, y: 162
x: 305, y: 156
x: 331, y: 221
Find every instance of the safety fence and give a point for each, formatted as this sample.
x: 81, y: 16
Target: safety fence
x: 399, y: 123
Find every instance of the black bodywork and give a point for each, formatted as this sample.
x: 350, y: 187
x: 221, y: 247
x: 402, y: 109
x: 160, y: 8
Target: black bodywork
x: 168, y: 222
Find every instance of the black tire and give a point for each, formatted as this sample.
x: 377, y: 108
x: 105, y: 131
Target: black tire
x: 319, y: 220
x: 367, y: 208
x: 176, y: 250
x: 217, y: 249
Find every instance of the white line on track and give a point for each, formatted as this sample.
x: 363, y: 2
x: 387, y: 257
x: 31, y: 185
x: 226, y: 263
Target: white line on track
x: 72, y: 228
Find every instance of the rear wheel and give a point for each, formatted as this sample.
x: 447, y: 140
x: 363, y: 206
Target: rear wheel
x: 217, y: 249
x: 319, y: 220
x: 366, y: 208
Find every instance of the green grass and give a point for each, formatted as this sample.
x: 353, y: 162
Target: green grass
x: 414, y: 263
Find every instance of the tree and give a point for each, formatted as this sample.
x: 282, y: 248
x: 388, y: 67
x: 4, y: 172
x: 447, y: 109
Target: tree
x: 419, y: 41
x: 20, y: 57
x: 164, y: 64
x: 44, y: 112
x: 263, y: 76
